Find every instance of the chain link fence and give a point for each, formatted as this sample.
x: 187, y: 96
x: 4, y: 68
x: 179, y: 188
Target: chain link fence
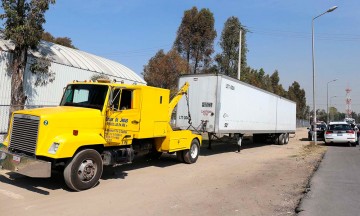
x: 302, y: 123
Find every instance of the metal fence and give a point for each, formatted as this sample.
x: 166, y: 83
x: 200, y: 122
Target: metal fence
x: 302, y: 123
x: 5, y: 112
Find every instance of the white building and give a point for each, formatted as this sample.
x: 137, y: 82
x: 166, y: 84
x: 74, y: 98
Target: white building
x: 68, y: 64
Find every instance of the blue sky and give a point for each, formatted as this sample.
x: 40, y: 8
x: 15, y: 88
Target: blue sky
x: 131, y: 32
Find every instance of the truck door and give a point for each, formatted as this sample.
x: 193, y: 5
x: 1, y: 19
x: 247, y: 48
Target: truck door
x: 123, y: 117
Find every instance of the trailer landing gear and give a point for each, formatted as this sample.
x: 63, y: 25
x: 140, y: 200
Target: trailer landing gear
x: 237, y: 136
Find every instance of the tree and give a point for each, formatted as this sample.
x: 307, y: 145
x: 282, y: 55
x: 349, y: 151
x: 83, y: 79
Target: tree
x: 195, y: 38
x: 228, y: 60
x: 164, y: 69
x: 277, y: 88
x: 296, y: 94
x: 23, y: 26
x: 64, y: 41
x: 99, y: 76
x: 321, y: 115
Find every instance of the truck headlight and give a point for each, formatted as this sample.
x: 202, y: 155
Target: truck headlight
x: 53, y: 148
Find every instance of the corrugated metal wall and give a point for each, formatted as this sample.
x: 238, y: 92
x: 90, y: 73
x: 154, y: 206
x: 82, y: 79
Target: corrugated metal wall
x: 5, y: 89
x: 48, y: 95
x: 51, y: 93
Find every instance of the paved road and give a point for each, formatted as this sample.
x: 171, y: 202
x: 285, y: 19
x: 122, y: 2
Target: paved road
x: 335, y: 187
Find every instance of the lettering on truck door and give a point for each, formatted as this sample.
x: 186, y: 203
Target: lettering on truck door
x: 123, y: 118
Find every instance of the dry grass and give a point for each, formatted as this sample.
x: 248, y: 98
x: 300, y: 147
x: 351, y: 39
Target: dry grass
x: 312, y: 150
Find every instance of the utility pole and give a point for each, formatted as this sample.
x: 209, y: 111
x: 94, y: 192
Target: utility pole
x: 239, y: 64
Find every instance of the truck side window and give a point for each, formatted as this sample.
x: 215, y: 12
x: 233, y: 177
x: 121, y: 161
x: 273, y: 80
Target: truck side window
x: 126, y: 99
x: 116, y: 99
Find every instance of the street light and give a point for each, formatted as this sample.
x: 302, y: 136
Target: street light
x: 327, y: 100
x: 330, y: 103
x: 313, y: 66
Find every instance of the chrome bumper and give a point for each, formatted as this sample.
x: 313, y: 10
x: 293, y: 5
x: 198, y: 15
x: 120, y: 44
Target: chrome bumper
x: 24, y: 165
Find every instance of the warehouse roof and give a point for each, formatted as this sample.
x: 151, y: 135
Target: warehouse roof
x: 78, y: 59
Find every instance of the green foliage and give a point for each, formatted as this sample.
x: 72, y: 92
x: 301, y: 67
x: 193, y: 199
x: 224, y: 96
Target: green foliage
x: 164, y: 69
x: 195, y: 38
x: 99, y: 76
x: 321, y: 115
x: 64, y: 41
x: 297, y: 94
x: 24, y: 21
x: 40, y: 68
x: 228, y: 60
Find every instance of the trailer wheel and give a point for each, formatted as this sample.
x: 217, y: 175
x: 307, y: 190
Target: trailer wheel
x: 281, y: 139
x: 180, y: 156
x: 84, y: 170
x: 191, y: 155
x: 287, y: 138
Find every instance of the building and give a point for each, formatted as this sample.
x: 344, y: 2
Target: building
x: 67, y: 64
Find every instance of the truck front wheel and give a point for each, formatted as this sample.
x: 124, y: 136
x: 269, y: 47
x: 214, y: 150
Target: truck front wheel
x: 191, y: 155
x: 84, y: 170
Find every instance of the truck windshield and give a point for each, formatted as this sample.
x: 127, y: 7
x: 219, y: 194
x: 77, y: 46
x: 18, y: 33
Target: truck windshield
x: 85, y: 95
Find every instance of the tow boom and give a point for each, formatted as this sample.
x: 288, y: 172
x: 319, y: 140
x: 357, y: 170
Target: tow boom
x: 177, y: 97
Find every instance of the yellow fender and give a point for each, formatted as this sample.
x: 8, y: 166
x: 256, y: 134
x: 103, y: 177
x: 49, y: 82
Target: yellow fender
x: 69, y: 144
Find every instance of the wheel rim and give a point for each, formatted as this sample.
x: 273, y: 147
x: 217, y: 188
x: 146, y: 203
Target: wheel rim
x: 194, y: 151
x: 87, y: 170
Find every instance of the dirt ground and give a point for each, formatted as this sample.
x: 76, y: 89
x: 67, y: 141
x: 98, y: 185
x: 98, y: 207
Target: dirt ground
x: 260, y: 180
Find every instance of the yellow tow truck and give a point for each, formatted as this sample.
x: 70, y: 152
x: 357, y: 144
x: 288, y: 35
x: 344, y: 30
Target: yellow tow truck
x: 97, y: 124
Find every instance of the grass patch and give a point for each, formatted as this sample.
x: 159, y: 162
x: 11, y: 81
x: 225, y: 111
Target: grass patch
x: 311, y: 150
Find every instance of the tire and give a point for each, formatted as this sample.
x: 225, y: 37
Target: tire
x: 281, y: 139
x: 191, y: 155
x: 310, y: 138
x: 180, y: 156
x: 287, y: 138
x: 84, y: 170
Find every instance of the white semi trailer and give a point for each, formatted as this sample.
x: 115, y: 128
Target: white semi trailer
x: 219, y: 104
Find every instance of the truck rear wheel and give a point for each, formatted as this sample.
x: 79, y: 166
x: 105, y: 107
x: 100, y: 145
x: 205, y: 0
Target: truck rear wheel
x: 191, y: 155
x: 281, y: 139
x: 84, y: 170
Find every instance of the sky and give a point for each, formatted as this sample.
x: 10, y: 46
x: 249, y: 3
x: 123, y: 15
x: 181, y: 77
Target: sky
x: 131, y: 32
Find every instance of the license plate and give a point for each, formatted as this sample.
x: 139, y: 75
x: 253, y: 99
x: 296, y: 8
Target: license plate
x: 339, y: 134
x: 16, y: 158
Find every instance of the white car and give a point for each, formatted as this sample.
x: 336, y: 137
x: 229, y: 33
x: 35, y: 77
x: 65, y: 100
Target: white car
x: 340, y: 132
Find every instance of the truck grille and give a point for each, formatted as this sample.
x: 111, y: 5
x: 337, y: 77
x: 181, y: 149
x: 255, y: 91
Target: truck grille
x: 24, y: 133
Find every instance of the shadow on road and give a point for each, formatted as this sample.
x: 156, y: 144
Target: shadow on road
x: 167, y: 160
x: 35, y: 184
x: 339, y: 145
x: 219, y: 147
x: 45, y: 185
x: 120, y: 172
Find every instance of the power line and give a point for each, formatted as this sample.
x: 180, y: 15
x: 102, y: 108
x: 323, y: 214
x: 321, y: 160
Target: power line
x: 144, y: 51
x: 266, y: 32
x: 305, y: 35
